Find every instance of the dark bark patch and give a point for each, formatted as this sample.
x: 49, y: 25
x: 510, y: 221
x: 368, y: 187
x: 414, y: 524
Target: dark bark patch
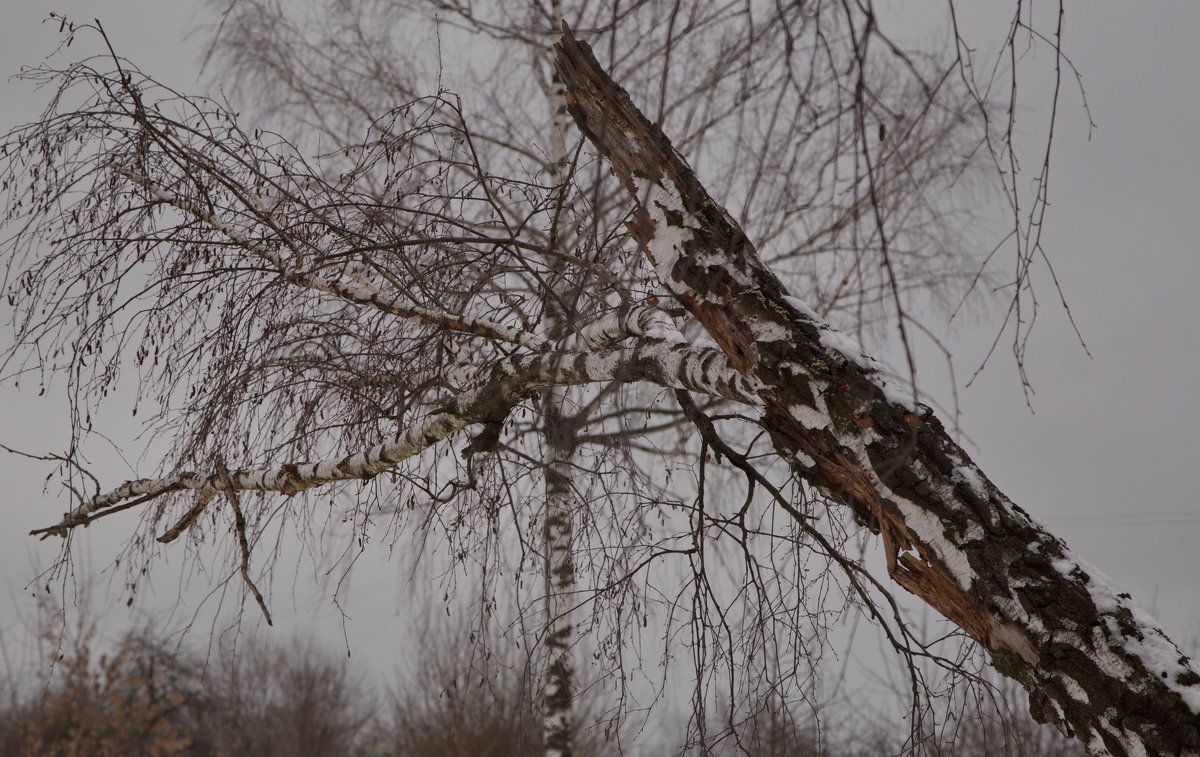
x: 727, y: 330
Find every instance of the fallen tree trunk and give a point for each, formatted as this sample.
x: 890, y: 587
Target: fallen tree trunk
x: 1094, y: 664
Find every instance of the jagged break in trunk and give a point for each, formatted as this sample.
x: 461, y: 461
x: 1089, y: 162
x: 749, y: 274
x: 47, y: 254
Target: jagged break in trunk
x: 1094, y: 665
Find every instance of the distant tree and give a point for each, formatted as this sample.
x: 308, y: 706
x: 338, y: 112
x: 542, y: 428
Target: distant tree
x: 994, y: 723
x: 150, y: 697
x: 465, y: 696
x: 280, y: 700
x: 261, y: 699
x: 112, y: 705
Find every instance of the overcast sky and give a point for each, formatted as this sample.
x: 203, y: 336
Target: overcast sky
x: 1107, y: 459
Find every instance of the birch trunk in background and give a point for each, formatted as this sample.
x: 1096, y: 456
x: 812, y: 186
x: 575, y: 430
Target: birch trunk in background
x: 1094, y: 665
x: 557, y: 692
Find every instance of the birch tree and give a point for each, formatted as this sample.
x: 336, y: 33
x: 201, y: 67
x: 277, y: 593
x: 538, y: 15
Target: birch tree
x: 298, y: 324
x: 712, y: 71
x: 1095, y: 664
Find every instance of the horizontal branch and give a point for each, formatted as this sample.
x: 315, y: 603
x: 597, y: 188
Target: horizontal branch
x: 672, y: 365
x: 620, y: 324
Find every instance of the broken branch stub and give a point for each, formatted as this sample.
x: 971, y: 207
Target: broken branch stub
x: 1094, y: 664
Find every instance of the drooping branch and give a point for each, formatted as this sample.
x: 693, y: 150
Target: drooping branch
x: 358, y: 292
x: 1094, y: 664
x: 670, y: 364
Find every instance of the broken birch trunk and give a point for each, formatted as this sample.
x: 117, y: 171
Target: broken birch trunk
x: 1094, y: 664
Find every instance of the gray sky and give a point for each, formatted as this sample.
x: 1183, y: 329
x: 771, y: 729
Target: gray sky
x: 1107, y: 460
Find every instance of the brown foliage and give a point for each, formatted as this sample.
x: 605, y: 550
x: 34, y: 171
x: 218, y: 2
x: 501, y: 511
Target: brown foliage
x: 148, y: 698
x: 111, y: 706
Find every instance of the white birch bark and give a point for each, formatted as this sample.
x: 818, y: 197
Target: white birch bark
x: 558, y: 693
x: 1094, y: 664
x: 666, y: 363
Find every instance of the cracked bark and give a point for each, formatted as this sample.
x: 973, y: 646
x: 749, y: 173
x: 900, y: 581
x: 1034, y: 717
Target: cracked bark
x: 1094, y: 665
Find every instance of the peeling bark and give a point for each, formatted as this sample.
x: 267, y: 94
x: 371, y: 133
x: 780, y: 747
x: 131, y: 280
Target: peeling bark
x: 1095, y: 665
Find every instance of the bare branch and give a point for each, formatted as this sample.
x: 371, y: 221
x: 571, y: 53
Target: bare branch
x: 669, y: 365
x: 239, y: 524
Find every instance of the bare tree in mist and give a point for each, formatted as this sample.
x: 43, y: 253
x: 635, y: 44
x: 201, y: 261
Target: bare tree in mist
x: 75, y: 701
x: 150, y: 695
x: 466, y: 695
x: 320, y: 308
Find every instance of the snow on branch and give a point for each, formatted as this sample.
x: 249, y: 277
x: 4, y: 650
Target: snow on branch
x: 1095, y: 665
x: 620, y: 324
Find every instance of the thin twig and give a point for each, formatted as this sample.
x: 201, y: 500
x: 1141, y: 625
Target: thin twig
x: 240, y: 524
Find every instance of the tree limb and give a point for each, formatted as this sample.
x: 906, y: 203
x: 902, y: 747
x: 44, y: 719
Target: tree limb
x: 1094, y: 664
x: 359, y: 293
x: 509, y: 382
x: 239, y: 524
